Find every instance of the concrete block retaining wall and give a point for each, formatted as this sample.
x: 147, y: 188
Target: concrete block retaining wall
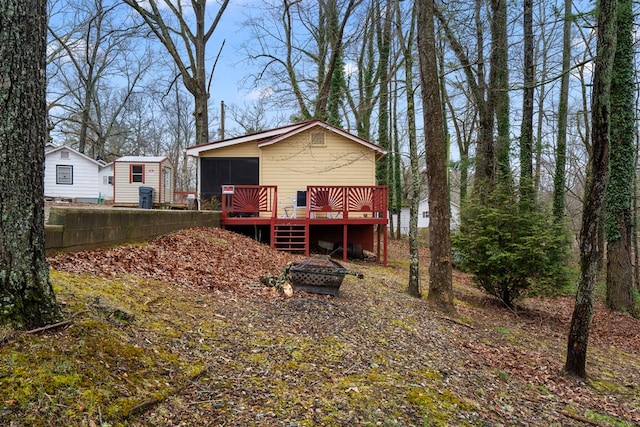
x: 74, y: 229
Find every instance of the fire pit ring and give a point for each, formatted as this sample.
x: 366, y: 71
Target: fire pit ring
x: 319, y: 275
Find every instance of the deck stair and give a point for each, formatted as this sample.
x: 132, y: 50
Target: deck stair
x: 290, y: 237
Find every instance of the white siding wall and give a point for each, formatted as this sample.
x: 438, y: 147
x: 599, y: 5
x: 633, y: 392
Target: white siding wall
x: 106, y: 189
x: 422, y: 221
x: 85, y: 176
x: 404, y: 218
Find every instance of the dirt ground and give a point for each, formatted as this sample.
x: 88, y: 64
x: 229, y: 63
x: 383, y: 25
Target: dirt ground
x: 230, y: 351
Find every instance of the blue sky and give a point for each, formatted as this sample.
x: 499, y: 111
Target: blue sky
x: 231, y: 68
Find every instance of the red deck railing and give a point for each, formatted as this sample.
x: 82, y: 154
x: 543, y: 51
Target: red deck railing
x: 342, y: 201
x: 325, y: 205
x: 364, y: 201
x: 250, y: 201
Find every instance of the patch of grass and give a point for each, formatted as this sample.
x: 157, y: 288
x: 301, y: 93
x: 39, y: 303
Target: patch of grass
x: 607, y: 419
x: 96, y: 369
x: 503, y: 330
x: 503, y: 376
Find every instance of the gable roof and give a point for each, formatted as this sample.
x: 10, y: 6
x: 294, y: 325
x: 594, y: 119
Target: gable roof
x: 51, y: 148
x: 273, y: 136
x: 143, y: 159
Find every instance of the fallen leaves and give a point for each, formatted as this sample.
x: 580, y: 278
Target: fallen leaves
x: 357, y: 359
x: 209, y: 258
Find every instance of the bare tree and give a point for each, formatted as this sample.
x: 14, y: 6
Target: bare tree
x: 475, y: 75
x: 407, y: 46
x: 95, y: 46
x: 299, y: 48
x: 186, y: 46
x: 561, y: 149
x: 526, y: 129
x: 179, y: 128
x: 254, y: 117
x: 97, y: 84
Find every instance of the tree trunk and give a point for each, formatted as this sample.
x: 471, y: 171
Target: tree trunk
x: 367, y: 78
x: 485, y: 150
x: 499, y: 87
x: 440, y: 280
x: 413, y: 287
x: 335, y: 37
x: 622, y: 158
x: 526, y: 130
x: 600, y: 109
x: 199, y: 82
x: 397, y: 164
x: 485, y: 165
x: 384, y: 177
x: 26, y: 295
x: 192, y: 66
x: 559, y: 179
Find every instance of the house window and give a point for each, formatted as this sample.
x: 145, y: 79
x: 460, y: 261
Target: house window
x: 107, y: 180
x: 137, y: 173
x: 64, y: 154
x: 219, y: 171
x: 317, y: 139
x: 64, y: 174
x: 425, y: 214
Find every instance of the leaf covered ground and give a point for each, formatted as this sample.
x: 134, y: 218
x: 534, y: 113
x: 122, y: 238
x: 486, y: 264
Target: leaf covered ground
x: 179, y: 332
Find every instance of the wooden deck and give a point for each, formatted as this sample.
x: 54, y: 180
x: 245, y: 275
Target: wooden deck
x: 352, y: 215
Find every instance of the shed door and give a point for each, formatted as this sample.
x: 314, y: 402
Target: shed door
x: 166, y: 175
x: 216, y: 172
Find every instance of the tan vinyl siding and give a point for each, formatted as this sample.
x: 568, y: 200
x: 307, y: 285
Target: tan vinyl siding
x: 128, y: 192
x: 125, y: 191
x: 293, y: 164
x: 249, y: 149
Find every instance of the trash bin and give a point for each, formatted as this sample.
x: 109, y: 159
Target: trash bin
x: 145, y: 200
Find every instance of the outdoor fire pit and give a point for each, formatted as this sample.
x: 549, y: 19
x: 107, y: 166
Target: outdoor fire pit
x: 319, y: 275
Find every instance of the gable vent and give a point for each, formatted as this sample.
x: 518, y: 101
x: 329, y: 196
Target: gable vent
x: 64, y: 154
x: 317, y: 139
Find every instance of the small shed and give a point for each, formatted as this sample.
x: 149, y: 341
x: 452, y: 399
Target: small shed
x: 133, y: 172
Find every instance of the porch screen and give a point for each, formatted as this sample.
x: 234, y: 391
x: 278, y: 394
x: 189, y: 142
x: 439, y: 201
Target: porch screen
x: 216, y: 172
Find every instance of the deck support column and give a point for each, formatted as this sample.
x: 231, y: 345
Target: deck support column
x: 344, y: 242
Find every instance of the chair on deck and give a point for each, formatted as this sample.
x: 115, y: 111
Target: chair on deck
x: 297, y: 201
x: 288, y: 208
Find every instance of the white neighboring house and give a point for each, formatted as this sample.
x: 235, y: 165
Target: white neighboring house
x: 69, y: 174
x: 423, y: 217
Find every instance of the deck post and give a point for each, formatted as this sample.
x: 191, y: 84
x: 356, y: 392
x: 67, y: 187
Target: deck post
x: 344, y: 242
x: 274, y: 214
x: 378, y: 242
x: 385, y: 244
